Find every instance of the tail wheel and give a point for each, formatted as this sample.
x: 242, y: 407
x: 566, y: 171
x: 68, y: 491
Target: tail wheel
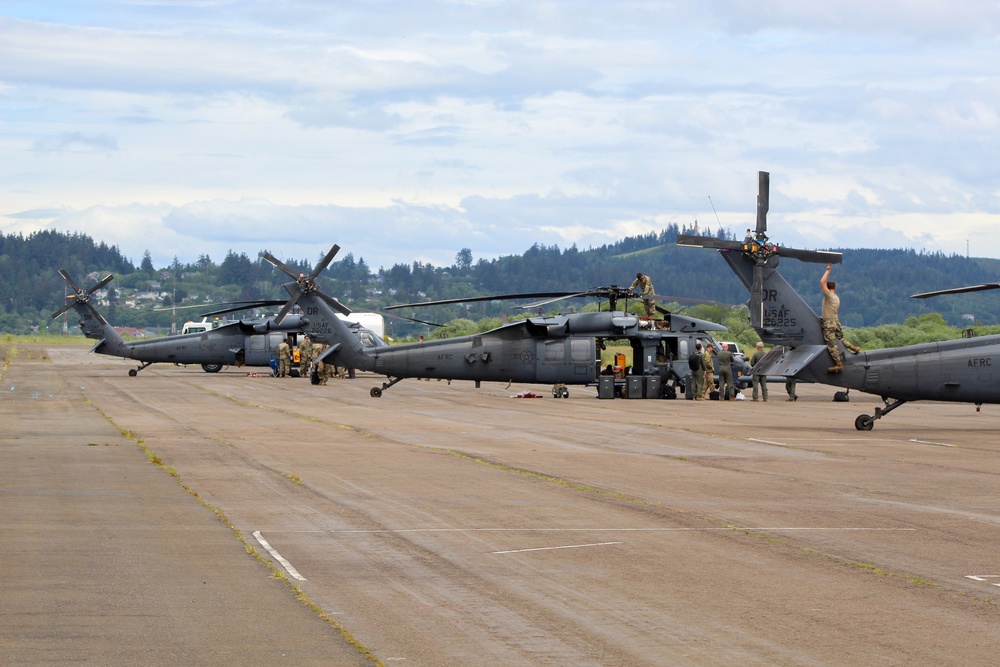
x: 864, y: 423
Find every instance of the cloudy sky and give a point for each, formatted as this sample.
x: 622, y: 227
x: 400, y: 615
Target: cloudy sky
x: 408, y: 130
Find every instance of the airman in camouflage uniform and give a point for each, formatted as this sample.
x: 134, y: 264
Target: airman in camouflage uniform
x: 648, y: 302
x: 284, y: 358
x: 831, y: 322
x: 709, y: 371
x: 305, y: 355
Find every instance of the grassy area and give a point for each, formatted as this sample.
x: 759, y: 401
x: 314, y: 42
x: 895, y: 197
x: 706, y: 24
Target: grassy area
x: 43, y: 339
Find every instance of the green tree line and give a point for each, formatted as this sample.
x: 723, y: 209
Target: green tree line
x: 875, y: 285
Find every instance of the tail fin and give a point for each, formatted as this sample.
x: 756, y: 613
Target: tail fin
x: 323, y: 326
x: 92, y: 323
x: 786, y: 318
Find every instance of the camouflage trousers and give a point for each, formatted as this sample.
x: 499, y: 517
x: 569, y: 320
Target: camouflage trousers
x: 831, y: 334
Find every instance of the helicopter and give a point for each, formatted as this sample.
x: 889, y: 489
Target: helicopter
x: 239, y: 343
x: 558, y: 350
x: 964, y: 370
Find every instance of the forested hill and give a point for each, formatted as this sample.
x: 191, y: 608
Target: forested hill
x: 874, y: 284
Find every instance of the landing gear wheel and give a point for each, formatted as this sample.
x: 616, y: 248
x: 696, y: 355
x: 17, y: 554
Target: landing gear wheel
x: 211, y: 368
x: 564, y: 393
x: 864, y: 423
x: 376, y: 392
x: 132, y: 372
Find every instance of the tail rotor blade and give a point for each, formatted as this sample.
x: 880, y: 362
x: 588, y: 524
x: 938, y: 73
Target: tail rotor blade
x: 325, y: 262
x: 104, y: 281
x: 287, y: 308
x: 708, y: 242
x: 278, y: 264
x: 69, y: 281
x: 333, y: 303
x: 763, y: 201
x: 815, y: 256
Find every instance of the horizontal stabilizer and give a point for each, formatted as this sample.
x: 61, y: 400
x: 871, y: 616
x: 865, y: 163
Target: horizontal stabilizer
x: 788, y: 361
x: 328, y: 352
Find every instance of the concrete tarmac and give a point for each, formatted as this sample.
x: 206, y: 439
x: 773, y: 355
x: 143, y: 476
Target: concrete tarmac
x: 444, y: 524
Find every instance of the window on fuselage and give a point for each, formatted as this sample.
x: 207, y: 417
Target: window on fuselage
x: 555, y: 351
x: 581, y: 350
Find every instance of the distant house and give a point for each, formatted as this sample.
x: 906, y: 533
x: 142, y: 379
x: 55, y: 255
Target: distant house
x: 131, y: 331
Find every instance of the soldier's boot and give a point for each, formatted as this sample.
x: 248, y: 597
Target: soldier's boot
x: 838, y: 364
x: 853, y: 348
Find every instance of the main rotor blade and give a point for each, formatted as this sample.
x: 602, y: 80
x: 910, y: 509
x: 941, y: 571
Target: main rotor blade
x: 471, y: 299
x: 545, y: 302
x: 817, y: 256
x: 278, y: 264
x: 957, y: 290
x: 325, y: 262
x: 411, y: 319
x: 243, y: 306
x: 686, y: 299
x: 763, y: 201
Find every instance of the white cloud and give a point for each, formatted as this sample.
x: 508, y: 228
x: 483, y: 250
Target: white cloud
x: 409, y: 131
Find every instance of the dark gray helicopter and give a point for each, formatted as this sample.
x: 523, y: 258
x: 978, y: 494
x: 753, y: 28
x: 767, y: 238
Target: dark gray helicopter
x: 551, y: 350
x: 240, y: 343
x: 964, y: 370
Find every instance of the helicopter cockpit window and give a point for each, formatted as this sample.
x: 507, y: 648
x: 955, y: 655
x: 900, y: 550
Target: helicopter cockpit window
x: 368, y: 338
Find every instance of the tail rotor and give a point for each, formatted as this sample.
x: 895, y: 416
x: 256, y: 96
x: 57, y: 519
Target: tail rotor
x: 80, y: 295
x: 306, y: 284
x: 757, y: 248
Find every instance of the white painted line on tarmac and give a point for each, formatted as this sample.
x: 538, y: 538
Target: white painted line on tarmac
x: 278, y: 557
x: 927, y: 442
x: 568, y: 546
x: 983, y: 578
x: 817, y: 441
x: 604, y: 530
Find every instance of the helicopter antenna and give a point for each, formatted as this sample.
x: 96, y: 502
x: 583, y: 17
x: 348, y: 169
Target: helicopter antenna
x: 714, y: 211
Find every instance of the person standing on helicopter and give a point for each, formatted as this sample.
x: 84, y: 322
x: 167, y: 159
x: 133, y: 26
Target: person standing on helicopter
x: 646, y: 286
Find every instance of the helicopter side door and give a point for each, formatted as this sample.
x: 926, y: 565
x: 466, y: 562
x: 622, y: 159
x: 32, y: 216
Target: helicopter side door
x: 262, y: 347
x: 569, y: 360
